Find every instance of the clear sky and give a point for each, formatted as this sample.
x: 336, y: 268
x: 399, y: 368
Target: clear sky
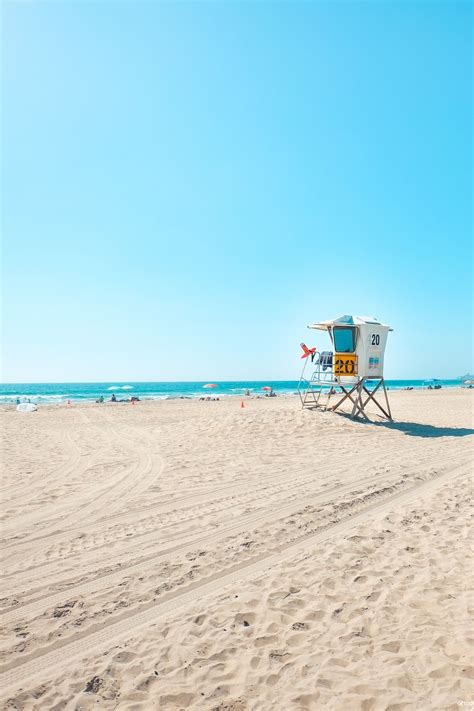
x: 185, y: 186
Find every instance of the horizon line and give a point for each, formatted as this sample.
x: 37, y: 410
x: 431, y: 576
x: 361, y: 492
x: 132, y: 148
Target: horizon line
x: 138, y: 382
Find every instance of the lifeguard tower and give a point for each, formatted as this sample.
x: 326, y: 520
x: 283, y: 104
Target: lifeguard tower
x: 352, y: 371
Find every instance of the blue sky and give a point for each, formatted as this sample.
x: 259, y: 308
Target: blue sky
x: 186, y: 185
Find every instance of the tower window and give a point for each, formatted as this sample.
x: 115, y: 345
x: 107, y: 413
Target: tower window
x: 344, y: 340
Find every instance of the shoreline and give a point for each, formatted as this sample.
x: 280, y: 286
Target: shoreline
x: 62, y: 400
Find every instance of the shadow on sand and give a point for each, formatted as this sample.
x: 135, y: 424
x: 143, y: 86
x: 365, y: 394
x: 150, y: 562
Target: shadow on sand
x: 415, y: 429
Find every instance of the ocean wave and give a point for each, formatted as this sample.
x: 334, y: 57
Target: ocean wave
x: 32, y: 398
x: 56, y: 394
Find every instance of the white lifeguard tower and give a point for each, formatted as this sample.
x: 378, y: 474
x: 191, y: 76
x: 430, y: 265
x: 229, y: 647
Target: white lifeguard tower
x: 354, y: 369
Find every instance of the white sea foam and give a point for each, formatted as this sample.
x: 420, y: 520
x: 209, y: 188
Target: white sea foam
x: 33, y: 398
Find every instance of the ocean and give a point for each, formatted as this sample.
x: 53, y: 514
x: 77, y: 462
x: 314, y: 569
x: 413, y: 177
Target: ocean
x: 61, y: 392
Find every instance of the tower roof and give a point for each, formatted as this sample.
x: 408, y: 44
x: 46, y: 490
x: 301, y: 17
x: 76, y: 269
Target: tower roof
x: 348, y: 320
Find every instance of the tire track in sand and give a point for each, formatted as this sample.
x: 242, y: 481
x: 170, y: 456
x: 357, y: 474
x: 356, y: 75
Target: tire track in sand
x: 21, y: 489
x: 103, y: 636
x: 197, y: 498
x: 137, y: 476
x: 41, y: 570
x: 243, y: 524
x: 80, y: 462
x: 105, y: 581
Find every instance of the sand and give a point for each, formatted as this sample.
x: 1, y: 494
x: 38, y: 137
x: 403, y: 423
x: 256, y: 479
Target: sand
x: 186, y: 554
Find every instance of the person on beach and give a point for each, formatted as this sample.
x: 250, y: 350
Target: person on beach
x: 113, y: 398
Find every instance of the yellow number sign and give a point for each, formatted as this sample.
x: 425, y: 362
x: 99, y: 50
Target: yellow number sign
x: 345, y: 364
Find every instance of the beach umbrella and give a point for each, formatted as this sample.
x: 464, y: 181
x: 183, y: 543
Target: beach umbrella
x: 267, y: 387
x: 210, y: 385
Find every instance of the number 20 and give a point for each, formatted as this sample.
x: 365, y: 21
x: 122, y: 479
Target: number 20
x: 375, y: 339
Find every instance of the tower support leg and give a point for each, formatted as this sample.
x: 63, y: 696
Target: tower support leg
x: 371, y: 396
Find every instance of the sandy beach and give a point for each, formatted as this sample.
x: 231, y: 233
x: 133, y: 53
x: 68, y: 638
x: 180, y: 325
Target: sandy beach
x: 186, y: 554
